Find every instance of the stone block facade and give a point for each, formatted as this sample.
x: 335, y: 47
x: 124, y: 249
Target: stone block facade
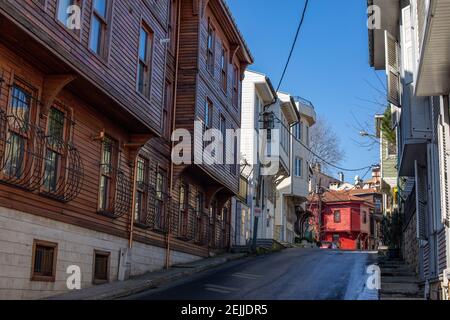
x: 411, y: 245
x: 76, y: 246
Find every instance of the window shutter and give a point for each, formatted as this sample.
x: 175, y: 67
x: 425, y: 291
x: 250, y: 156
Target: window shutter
x: 444, y: 154
x: 408, y: 45
x: 392, y: 69
x: 421, y: 201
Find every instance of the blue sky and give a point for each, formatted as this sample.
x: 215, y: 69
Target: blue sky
x: 329, y: 66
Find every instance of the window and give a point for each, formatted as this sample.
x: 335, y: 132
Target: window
x: 298, y: 131
x: 223, y: 131
x: 166, y: 124
x: 54, y: 157
x: 235, y: 86
x: 337, y: 216
x: 208, y: 114
x: 210, y: 49
x: 391, y: 149
x: 237, y: 159
x: 307, y: 136
x: 199, y: 204
x: 298, y: 167
x: 144, y: 68
x: 101, y: 267
x: 224, y: 69
x: 99, y: 25
x: 365, y: 217
x: 212, y: 212
x: 18, y: 134
x: 69, y: 17
x: 173, y: 9
x: 44, y: 261
x: 183, y: 212
x: 107, y: 174
x: 160, y: 197
x: 140, y: 207
x: 285, y: 134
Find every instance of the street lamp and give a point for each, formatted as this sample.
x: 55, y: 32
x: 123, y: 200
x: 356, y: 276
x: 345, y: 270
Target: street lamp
x: 366, y: 134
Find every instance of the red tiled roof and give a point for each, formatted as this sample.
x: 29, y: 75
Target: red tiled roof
x: 341, y: 196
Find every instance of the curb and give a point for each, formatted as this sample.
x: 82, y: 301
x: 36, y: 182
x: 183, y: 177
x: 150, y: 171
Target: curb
x: 144, y: 285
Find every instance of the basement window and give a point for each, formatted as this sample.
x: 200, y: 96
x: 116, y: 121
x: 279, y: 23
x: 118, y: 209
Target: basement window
x: 44, y: 261
x: 101, y: 267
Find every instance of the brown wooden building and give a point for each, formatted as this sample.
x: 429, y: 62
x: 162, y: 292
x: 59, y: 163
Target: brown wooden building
x: 88, y: 99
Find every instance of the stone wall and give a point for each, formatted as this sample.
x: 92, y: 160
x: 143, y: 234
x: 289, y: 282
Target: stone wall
x: 411, y: 244
x: 76, y: 246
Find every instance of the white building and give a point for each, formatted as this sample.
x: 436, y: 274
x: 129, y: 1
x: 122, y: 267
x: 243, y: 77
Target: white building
x: 257, y: 92
x: 294, y: 189
x: 413, y: 46
x: 263, y: 108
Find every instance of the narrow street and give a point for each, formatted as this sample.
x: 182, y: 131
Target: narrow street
x: 293, y: 274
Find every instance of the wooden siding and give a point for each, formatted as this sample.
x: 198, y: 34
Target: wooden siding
x: 116, y: 73
x: 196, y: 84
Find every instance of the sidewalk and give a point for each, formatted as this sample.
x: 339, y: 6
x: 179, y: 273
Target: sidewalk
x: 120, y: 289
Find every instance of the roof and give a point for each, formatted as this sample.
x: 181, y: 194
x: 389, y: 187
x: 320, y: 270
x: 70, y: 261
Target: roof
x: 244, y: 45
x: 338, y: 196
x: 363, y: 191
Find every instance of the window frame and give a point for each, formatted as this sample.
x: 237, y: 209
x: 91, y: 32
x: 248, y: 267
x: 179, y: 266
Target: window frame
x: 236, y: 83
x: 160, y: 192
x: 110, y: 176
x: 209, y: 113
x: 210, y: 51
x: 30, y: 92
x: 199, y: 203
x: 337, y: 213
x: 106, y: 255
x: 147, y: 64
x: 183, y: 207
x: 104, y: 28
x: 224, y: 69
x: 62, y: 158
x: 142, y: 189
x: 298, y: 167
x: 40, y: 278
x: 75, y: 32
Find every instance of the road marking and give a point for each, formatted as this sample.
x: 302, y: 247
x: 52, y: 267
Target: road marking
x: 246, y: 276
x: 220, y: 289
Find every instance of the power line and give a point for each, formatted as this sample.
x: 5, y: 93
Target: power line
x: 318, y: 156
x: 293, y: 44
x: 303, y: 15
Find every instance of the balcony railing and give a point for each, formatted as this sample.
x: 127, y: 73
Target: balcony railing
x: 25, y: 160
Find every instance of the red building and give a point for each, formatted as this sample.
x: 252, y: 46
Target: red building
x: 345, y: 219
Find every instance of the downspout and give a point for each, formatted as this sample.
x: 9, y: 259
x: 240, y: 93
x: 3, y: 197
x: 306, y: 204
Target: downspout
x: 174, y: 111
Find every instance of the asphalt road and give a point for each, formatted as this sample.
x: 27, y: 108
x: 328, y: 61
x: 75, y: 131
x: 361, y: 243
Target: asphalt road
x: 293, y: 274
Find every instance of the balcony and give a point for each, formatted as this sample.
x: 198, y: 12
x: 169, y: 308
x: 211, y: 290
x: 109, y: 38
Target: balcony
x: 306, y: 109
x: 415, y: 131
x: 389, y: 15
x: 432, y: 76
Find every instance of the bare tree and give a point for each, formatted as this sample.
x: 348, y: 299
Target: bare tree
x: 325, y: 145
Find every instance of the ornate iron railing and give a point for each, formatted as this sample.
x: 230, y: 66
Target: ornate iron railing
x: 21, y: 152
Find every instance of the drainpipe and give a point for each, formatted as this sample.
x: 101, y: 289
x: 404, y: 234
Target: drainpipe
x: 174, y: 111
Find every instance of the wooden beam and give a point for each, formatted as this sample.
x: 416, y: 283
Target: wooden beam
x: 53, y: 84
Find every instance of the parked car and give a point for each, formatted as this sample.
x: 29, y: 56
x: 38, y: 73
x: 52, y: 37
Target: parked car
x: 326, y: 245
